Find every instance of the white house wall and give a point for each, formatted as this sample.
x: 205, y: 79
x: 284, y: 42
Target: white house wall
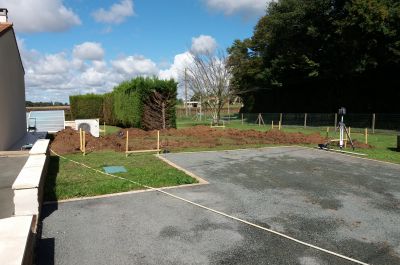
x: 12, y: 92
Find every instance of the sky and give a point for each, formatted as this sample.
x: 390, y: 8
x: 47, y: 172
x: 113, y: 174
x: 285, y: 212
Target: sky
x: 71, y: 47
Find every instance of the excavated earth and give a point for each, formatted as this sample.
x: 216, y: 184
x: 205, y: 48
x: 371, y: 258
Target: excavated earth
x: 67, y: 141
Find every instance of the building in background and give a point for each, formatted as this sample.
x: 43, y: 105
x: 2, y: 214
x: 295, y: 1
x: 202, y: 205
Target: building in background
x: 12, y: 86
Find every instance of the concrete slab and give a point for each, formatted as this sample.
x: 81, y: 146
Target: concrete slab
x: 15, y: 240
x: 40, y: 147
x: 9, y: 170
x: 29, y: 138
x: 344, y: 204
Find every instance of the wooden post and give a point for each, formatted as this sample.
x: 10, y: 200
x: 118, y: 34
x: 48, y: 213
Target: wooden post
x: 158, y: 142
x: 104, y: 127
x: 242, y: 118
x: 279, y: 125
x: 327, y: 132
x: 373, y: 123
x: 126, y: 145
x: 259, y: 120
x: 280, y: 118
x: 84, y: 143
x: 80, y: 140
x: 366, y: 135
x: 272, y: 125
x: 305, y: 120
x: 335, y: 122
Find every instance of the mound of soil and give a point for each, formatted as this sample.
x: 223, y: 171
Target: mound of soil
x: 67, y: 141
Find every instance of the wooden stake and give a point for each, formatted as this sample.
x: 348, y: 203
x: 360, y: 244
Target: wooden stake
x: 80, y: 139
x: 366, y: 135
x: 280, y: 117
x: 327, y: 132
x: 272, y: 125
x: 242, y: 118
x: 126, y: 145
x: 279, y: 125
x: 84, y: 143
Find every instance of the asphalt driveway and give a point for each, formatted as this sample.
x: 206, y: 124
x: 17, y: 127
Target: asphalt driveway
x: 344, y: 204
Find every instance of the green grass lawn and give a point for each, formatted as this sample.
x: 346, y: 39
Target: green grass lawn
x: 109, y: 129
x: 68, y: 180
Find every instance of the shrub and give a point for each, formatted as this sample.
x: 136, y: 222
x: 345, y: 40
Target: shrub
x: 89, y: 106
x: 138, y: 103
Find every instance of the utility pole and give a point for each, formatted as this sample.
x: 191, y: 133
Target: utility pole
x: 186, y: 94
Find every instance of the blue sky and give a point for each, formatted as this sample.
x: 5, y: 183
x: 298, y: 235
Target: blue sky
x: 86, y: 46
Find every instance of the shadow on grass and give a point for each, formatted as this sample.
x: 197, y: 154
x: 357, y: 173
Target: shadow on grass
x: 394, y: 149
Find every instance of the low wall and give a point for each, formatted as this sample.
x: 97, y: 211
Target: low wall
x: 16, y: 240
x: 18, y: 233
x: 28, y: 186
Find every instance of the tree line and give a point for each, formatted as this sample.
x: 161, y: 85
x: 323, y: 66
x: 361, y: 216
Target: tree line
x: 315, y: 56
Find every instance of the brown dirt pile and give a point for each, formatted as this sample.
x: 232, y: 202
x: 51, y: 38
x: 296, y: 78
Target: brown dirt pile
x: 67, y: 141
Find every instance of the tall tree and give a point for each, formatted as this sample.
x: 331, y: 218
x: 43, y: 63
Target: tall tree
x: 306, y: 49
x: 208, y: 77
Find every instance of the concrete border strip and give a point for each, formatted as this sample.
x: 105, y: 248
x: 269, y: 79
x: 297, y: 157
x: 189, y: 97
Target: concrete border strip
x: 121, y: 194
x: 200, y: 180
x: 221, y: 213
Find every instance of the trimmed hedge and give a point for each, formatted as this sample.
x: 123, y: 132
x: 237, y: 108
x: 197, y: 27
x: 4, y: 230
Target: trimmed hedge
x: 139, y: 103
x: 89, y: 106
x: 130, y: 98
x: 108, y: 112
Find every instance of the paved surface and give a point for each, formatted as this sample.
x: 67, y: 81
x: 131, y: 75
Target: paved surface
x: 341, y: 203
x: 9, y: 170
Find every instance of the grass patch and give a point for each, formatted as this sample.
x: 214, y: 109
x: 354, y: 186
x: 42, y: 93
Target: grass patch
x: 109, y: 129
x: 66, y: 179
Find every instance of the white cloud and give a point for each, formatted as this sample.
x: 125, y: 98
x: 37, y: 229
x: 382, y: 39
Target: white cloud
x: 246, y: 7
x: 54, y: 77
x: 203, y: 44
x: 52, y: 64
x: 176, y: 70
x: 40, y: 15
x: 89, y: 51
x: 137, y: 65
x: 116, y: 14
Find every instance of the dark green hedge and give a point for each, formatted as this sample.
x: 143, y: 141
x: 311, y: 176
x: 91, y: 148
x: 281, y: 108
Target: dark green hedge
x: 134, y: 103
x: 89, y: 106
x: 130, y: 97
x: 108, y: 106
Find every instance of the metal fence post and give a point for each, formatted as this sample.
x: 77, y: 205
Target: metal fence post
x: 373, y: 123
x: 305, y: 120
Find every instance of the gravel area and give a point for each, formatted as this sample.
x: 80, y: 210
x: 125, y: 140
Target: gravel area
x: 341, y: 203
